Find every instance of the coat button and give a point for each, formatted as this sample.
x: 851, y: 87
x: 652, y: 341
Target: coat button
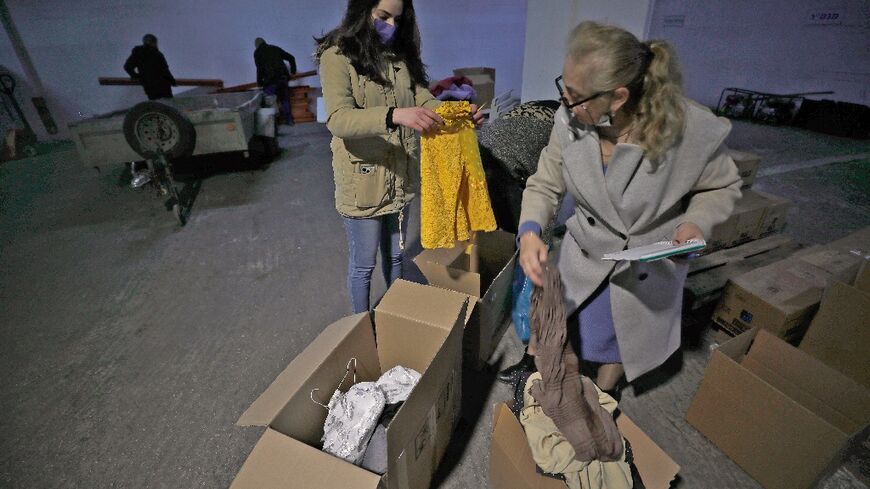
x: 590, y: 220
x: 643, y: 276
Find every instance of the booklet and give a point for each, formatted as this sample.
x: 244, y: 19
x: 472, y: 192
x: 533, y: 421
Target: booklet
x: 656, y: 251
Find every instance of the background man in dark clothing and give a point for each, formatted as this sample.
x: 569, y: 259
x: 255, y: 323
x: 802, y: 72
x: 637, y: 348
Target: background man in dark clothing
x: 272, y: 73
x: 147, y: 64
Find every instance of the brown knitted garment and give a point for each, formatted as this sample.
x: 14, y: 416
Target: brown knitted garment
x: 568, y: 398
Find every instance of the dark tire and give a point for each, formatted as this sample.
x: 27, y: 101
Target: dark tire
x: 153, y: 126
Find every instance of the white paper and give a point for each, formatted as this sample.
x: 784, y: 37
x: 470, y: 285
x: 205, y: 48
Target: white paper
x: 655, y: 251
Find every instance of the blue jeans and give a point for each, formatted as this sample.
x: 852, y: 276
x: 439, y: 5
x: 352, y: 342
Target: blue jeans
x: 364, y: 237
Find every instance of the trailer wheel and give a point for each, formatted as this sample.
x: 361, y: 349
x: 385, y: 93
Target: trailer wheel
x: 152, y: 127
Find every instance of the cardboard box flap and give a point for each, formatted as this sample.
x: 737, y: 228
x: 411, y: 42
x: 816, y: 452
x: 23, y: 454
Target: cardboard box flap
x: 760, y: 427
x: 496, y: 248
x: 450, y: 269
x: 322, y: 365
x: 512, y: 464
x: 411, y: 341
x: 822, y: 390
x: 414, y: 427
x: 278, y: 461
x: 839, y: 336
x: 422, y: 303
x: 656, y: 468
x: 468, y: 268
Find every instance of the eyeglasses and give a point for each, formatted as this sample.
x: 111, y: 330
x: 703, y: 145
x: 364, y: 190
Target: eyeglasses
x: 564, y: 99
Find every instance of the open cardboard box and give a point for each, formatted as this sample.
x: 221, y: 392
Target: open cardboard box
x: 778, y: 412
x: 415, y: 326
x: 511, y: 465
x: 483, y: 270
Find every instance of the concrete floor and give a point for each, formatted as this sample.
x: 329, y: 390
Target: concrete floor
x: 130, y: 346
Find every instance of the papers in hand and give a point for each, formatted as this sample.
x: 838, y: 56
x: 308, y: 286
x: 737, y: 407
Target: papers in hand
x: 656, y: 251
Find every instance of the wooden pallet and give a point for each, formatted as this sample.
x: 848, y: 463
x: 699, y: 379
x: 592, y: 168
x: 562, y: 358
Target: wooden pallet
x: 709, y: 274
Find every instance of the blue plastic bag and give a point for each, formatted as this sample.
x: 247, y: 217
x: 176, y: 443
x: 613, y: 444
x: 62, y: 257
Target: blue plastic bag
x: 521, y: 288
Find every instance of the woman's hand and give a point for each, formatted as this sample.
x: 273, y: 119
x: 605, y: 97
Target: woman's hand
x: 685, y: 232
x: 476, y: 115
x: 533, y: 252
x: 419, y: 119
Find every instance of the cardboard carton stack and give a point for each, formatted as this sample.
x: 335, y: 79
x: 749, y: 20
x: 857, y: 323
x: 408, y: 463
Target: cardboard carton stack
x: 749, y: 238
x: 786, y: 414
x: 755, y: 216
x: 783, y: 296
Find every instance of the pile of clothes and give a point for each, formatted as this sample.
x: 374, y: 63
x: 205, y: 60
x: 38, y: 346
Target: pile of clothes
x: 356, y: 427
x: 455, y: 88
x: 567, y: 419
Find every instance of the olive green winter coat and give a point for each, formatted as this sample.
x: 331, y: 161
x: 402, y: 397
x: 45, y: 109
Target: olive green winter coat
x: 376, y: 170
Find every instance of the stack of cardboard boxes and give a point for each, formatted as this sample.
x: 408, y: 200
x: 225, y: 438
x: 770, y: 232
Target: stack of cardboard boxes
x: 784, y: 413
x: 783, y: 296
x: 756, y: 215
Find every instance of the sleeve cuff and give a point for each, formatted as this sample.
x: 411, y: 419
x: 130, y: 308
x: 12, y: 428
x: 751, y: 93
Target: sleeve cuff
x: 389, y: 120
x: 528, y: 227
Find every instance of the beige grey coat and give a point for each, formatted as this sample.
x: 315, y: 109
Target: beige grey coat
x: 634, y: 205
x: 376, y: 170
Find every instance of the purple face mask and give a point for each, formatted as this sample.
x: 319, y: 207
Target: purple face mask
x: 386, y: 31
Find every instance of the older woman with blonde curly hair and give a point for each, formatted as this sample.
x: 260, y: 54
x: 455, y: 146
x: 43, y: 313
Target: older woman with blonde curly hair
x: 642, y: 163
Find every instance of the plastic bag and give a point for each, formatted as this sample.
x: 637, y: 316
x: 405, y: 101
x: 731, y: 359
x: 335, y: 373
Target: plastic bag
x: 521, y: 288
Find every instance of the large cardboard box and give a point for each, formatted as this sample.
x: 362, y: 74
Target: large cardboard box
x: 484, y: 82
x: 415, y: 326
x: 857, y: 242
x: 756, y: 215
x: 484, y: 271
x: 778, y: 412
x: 783, y: 296
x: 839, y: 334
x: 775, y: 211
x: 747, y: 165
x: 511, y: 465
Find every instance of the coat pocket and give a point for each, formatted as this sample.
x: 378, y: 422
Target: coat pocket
x: 370, y: 184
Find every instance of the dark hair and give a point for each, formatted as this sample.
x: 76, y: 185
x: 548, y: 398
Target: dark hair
x: 357, y: 39
x: 149, y: 39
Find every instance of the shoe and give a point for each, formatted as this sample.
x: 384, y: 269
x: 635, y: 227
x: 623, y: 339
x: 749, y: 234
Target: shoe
x: 510, y: 374
x: 140, y: 179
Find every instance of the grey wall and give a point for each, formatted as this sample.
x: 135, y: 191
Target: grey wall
x: 548, y: 23
x: 72, y: 42
x: 771, y: 46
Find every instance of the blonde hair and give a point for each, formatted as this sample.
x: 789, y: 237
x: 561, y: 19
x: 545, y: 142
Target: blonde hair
x: 648, y: 69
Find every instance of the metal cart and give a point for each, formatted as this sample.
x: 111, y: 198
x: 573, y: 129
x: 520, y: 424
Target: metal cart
x: 739, y: 103
x: 163, y: 130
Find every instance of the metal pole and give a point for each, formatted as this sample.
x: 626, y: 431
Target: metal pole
x: 29, y: 70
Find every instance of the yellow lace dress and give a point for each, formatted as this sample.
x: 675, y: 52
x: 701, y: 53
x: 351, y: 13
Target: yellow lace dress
x: 455, y: 200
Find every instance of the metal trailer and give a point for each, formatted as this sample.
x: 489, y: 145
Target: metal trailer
x: 162, y: 130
